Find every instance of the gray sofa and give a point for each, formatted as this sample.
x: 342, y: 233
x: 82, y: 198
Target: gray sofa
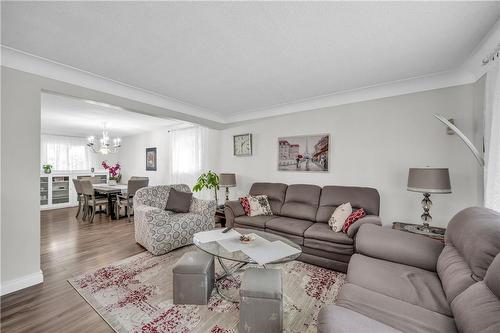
x: 400, y: 282
x: 301, y: 214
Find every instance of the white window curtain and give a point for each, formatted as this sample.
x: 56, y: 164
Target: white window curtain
x: 66, y: 153
x: 189, y: 156
x: 492, y: 139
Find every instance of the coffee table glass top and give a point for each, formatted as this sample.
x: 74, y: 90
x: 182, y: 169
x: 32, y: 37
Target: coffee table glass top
x: 214, y: 248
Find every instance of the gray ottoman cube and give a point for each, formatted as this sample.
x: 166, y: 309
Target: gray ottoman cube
x: 194, y: 277
x: 261, y: 301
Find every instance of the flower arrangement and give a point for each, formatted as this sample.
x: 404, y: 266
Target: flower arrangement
x: 114, y: 170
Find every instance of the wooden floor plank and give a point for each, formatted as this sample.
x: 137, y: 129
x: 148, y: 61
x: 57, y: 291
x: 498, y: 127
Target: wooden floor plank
x: 69, y: 247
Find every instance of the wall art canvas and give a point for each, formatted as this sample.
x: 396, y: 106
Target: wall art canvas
x: 151, y: 159
x: 304, y: 153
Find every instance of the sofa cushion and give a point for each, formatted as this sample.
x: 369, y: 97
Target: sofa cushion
x: 301, y: 202
x: 394, y: 312
x: 407, y: 283
x: 343, y: 249
x: 454, y: 272
x: 254, y: 221
x: 323, y: 232
x: 179, y: 201
x: 333, y: 318
x: 359, y: 197
x: 475, y: 233
x: 289, y: 226
x: 296, y: 239
x: 275, y: 193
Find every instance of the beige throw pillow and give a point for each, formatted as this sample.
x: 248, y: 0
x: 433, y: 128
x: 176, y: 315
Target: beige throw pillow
x: 339, y: 216
x: 259, y: 205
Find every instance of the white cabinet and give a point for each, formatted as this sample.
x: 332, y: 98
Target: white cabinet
x: 57, y: 190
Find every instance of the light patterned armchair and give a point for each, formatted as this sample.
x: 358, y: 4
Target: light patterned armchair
x: 161, y: 231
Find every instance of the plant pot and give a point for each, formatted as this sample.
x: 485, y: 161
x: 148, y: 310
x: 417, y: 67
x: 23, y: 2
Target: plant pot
x: 47, y: 171
x: 112, y: 182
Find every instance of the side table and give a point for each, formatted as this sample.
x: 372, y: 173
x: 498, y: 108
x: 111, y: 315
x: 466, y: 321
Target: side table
x: 432, y: 232
x: 220, y: 216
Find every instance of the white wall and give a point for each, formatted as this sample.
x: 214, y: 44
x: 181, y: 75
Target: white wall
x: 20, y: 171
x: 133, y: 153
x: 132, y: 156
x: 373, y: 144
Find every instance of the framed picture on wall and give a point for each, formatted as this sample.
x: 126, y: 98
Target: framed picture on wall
x: 308, y: 153
x: 151, y: 159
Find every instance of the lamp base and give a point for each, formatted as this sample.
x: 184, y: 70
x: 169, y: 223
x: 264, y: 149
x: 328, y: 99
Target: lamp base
x: 426, y: 205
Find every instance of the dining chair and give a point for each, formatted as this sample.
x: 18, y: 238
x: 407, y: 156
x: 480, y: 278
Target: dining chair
x: 79, y: 197
x: 126, y: 199
x: 91, y: 201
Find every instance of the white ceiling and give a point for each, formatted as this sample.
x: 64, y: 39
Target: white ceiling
x: 62, y: 115
x: 237, y: 57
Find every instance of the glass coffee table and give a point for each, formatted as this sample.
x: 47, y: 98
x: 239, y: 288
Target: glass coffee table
x: 240, y: 259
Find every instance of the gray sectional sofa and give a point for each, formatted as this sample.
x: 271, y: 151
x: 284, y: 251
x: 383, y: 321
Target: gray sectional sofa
x: 301, y: 214
x: 400, y: 282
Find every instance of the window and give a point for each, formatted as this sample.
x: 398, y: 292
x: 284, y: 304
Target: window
x: 66, y: 153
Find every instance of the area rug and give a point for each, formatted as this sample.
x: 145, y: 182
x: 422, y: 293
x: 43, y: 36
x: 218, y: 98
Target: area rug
x: 135, y: 295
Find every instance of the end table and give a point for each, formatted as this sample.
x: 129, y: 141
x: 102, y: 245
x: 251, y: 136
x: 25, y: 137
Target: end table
x: 432, y: 232
x: 220, y: 216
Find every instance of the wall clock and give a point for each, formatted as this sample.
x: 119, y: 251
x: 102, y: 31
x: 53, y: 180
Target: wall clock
x: 242, y: 145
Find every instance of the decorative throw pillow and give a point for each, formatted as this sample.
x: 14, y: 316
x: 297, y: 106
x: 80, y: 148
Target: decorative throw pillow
x: 178, y: 201
x: 339, y: 216
x: 259, y: 205
x: 246, y: 205
x: 353, y: 218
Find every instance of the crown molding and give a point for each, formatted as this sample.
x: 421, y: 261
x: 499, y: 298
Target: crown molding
x: 474, y: 63
x: 30, y: 63
x: 394, y: 88
x: 469, y: 72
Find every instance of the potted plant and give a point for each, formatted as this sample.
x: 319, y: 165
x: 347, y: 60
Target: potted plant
x: 114, y: 172
x: 47, y: 168
x: 208, y: 180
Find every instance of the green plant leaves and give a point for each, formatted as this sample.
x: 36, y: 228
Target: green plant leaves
x: 208, y: 180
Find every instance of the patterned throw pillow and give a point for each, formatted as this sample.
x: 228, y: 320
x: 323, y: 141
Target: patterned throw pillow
x: 339, y: 216
x: 246, y: 205
x: 259, y: 205
x: 353, y: 218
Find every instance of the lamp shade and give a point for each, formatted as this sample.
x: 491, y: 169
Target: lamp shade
x: 227, y: 179
x: 429, y: 180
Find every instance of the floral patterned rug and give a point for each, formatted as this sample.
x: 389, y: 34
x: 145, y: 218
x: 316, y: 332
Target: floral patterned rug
x: 135, y: 295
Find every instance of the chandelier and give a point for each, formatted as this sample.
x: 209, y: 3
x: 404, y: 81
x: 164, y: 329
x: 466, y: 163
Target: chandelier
x: 105, y: 143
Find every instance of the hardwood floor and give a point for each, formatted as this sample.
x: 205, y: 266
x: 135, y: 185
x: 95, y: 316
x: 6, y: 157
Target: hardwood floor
x: 69, y: 247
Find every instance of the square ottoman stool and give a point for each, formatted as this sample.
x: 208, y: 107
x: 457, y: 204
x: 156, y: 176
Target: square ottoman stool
x: 261, y: 301
x: 194, y: 277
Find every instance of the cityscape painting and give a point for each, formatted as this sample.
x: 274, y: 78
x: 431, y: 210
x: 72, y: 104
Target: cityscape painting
x: 304, y: 153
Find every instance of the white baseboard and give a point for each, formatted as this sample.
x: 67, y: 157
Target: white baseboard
x: 20, y: 283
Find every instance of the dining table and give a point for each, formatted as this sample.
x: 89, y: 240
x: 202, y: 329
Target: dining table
x: 110, y: 190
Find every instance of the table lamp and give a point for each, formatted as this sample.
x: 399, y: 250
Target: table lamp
x: 428, y: 181
x: 227, y: 180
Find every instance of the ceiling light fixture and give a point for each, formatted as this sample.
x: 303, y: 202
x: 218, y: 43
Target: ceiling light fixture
x: 105, y: 145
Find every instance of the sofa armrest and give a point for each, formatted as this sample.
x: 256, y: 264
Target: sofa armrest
x: 398, y: 246
x: 203, y: 207
x: 372, y: 219
x: 232, y: 209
